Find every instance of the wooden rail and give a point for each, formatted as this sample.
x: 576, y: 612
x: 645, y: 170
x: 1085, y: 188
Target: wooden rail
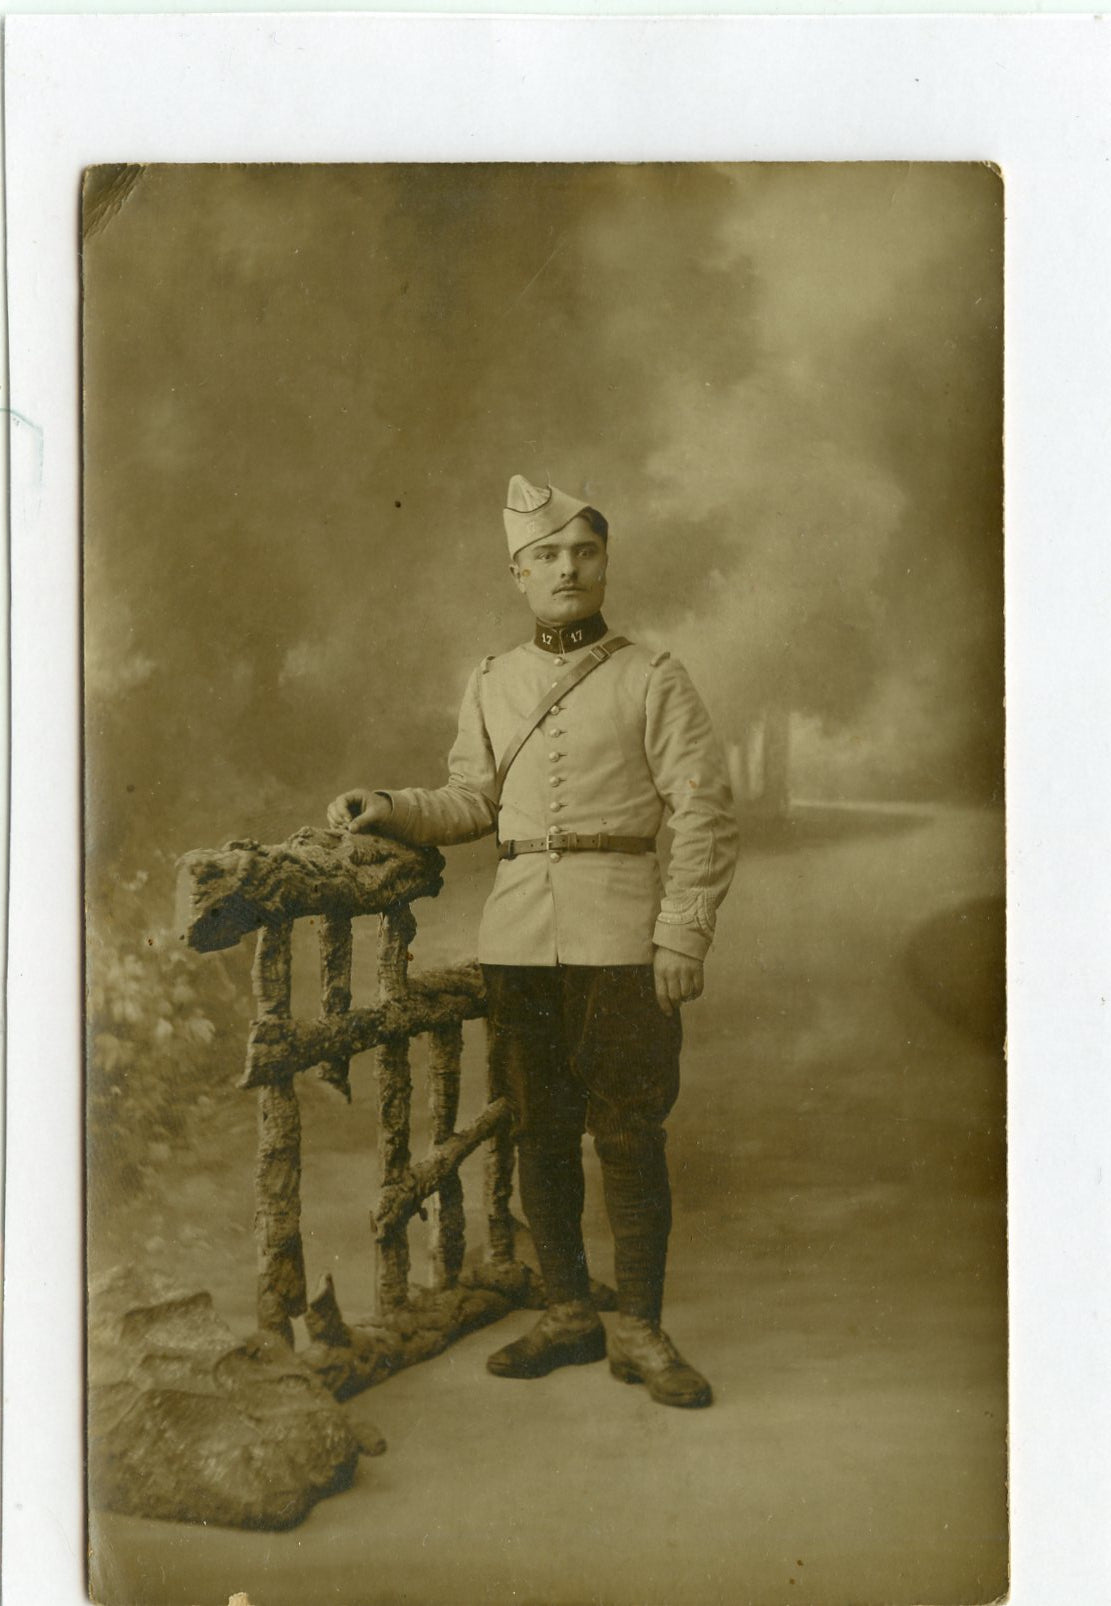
x: 334, y: 878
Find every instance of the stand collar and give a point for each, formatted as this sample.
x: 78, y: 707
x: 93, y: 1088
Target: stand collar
x: 569, y: 638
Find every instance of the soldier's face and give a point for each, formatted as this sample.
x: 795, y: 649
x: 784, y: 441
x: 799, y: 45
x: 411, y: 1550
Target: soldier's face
x: 563, y: 577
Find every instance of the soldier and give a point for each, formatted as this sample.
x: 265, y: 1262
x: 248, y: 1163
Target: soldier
x: 575, y: 748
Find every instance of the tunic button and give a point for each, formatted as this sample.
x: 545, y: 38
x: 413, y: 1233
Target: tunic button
x: 561, y: 660
x: 556, y: 708
x: 553, y: 756
x: 555, y: 857
x: 555, y: 730
x: 555, y: 780
x: 554, y: 806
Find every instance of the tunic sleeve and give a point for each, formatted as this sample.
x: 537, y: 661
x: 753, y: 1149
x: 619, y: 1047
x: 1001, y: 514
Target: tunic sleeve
x: 689, y: 772
x: 463, y: 809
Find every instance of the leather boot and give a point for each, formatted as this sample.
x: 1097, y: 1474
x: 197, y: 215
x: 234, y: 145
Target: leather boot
x: 569, y: 1334
x: 641, y: 1352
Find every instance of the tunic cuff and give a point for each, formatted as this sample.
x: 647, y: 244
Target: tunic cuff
x: 681, y: 939
x: 399, y: 816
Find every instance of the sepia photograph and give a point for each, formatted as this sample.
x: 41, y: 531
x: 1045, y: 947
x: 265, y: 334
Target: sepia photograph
x: 544, y: 881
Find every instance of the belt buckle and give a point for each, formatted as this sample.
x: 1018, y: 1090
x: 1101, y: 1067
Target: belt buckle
x: 555, y: 840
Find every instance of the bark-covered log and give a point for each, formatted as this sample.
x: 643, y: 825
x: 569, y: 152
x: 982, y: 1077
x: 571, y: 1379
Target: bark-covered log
x: 402, y: 1198
x: 465, y: 979
x: 280, y: 1255
x: 396, y: 931
x: 281, y: 1260
x: 323, y: 1318
x: 272, y: 971
x: 524, y: 1286
x: 415, y: 1333
x: 447, y: 1217
x: 433, y: 1000
x: 335, y: 991
x: 225, y: 893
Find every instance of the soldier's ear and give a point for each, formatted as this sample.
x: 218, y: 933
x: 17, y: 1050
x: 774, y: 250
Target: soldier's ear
x: 518, y: 576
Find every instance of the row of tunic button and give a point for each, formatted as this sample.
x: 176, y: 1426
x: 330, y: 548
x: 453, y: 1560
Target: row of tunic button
x: 553, y: 758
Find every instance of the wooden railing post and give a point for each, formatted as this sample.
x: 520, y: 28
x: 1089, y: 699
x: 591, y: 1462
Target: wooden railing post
x: 335, y: 990
x: 448, y: 1218
x: 280, y: 1252
x: 396, y: 930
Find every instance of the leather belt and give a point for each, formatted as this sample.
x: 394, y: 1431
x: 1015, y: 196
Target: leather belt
x: 557, y: 841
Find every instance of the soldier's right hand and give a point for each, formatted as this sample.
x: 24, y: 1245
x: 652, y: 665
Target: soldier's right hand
x: 358, y: 810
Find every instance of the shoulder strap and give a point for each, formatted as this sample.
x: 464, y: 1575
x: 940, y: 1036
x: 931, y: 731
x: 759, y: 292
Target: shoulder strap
x: 597, y: 655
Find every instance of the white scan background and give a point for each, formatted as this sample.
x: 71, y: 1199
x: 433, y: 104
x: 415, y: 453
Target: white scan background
x: 1030, y: 94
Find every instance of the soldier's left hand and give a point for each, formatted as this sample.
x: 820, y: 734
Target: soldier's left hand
x: 678, y: 979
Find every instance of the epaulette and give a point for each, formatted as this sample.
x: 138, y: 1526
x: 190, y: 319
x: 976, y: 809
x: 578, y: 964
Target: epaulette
x: 658, y: 658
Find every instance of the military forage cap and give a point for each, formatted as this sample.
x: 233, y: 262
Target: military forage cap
x: 531, y: 513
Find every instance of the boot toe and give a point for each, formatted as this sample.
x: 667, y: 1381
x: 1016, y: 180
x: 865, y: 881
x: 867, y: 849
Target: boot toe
x: 537, y: 1355
x: 645, y: 1354
x: 682, y: 1386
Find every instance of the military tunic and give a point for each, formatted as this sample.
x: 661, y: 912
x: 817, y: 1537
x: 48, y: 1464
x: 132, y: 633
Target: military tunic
x: 628, y: 749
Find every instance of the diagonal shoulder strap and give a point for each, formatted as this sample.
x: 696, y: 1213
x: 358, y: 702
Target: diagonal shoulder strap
x: 597, y: 655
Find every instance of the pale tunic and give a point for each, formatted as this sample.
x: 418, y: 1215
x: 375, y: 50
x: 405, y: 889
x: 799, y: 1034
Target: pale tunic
x: 630, y: 749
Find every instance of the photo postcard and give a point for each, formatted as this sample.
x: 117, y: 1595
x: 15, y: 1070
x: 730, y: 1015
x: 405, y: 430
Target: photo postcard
x: 543, y: 694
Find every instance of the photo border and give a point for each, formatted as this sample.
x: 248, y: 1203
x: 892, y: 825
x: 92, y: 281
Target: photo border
x: 1027, y: 94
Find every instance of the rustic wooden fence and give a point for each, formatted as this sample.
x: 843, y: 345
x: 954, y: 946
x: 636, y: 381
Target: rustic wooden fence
x: 334, y: 878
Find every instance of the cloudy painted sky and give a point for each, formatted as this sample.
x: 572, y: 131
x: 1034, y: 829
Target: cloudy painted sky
x: 307, y: 387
